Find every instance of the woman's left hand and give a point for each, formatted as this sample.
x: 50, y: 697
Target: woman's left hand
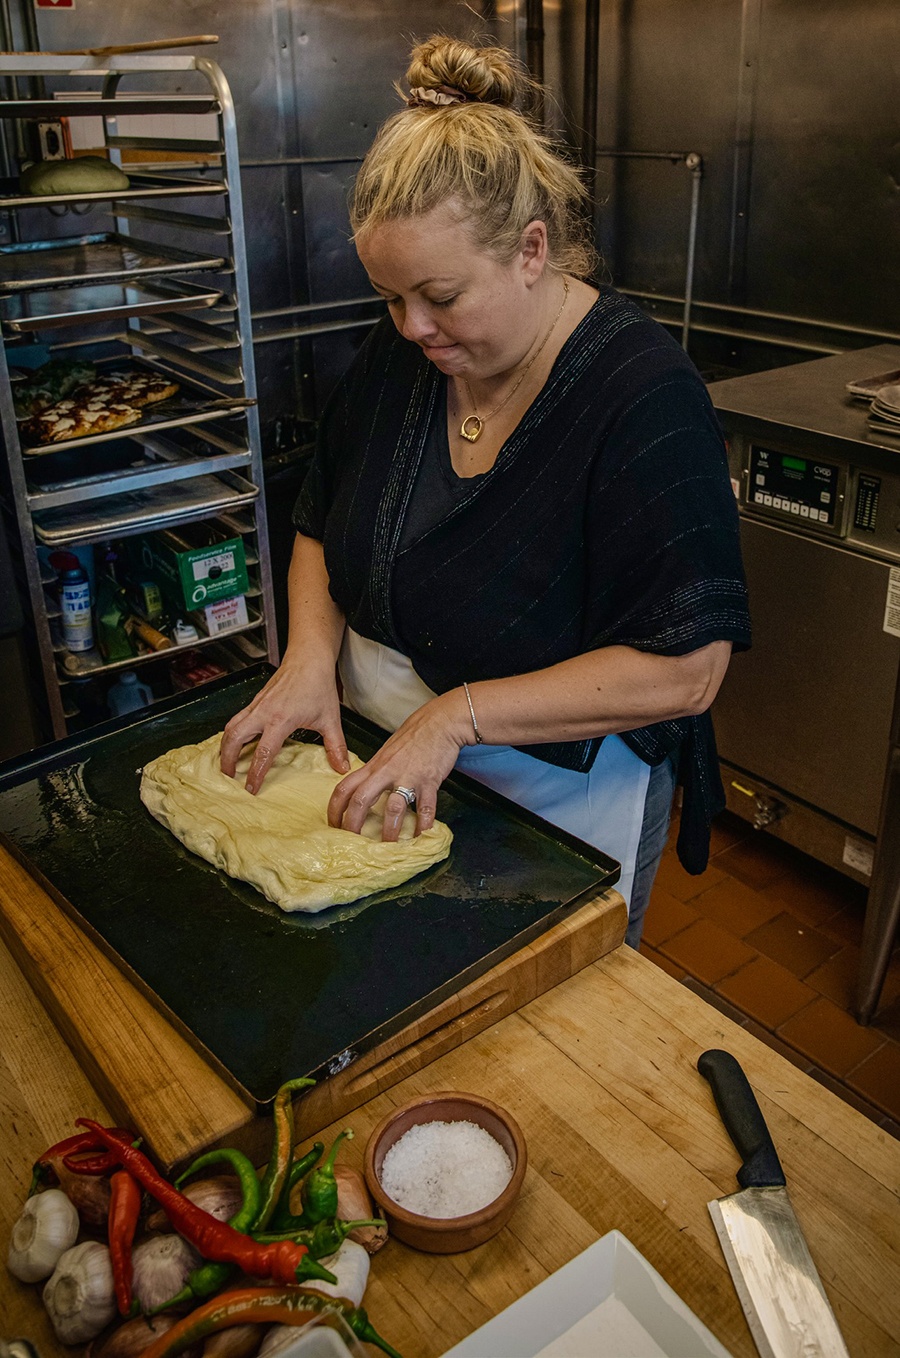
x: 419, y: 755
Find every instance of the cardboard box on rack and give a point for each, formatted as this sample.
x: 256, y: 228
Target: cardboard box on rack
x: 191, y: 577
x: 224, y: 616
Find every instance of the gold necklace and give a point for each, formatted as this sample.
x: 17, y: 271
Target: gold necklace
x: 472, y: 426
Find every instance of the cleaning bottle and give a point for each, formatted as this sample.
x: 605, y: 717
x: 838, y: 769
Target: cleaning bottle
x: 75, y: 601
x: 128, y: 695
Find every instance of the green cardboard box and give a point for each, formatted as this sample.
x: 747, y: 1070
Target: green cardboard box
x: 191, y: 577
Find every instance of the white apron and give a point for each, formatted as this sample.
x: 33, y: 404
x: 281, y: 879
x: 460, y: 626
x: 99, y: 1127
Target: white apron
x: 604, y: 807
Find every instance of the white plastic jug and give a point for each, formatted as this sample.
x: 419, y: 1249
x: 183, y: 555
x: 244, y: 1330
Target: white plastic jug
x: 128, y: 695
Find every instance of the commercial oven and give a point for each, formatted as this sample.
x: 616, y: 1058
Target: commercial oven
x: 808, y: 721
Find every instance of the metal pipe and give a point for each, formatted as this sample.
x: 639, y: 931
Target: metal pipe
x: 304, y: 307
x: 534, y: 51
x: 694, y: 163
x: 738, y: 310
x: 590, y: 96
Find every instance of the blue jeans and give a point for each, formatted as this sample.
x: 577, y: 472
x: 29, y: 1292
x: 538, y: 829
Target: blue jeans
x: 654, y: 831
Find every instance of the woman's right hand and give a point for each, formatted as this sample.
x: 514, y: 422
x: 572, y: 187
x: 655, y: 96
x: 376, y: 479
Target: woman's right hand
x: 299, y: 694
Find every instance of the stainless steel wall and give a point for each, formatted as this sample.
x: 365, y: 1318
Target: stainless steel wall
x: 793, y: 105
x: 311, y: 81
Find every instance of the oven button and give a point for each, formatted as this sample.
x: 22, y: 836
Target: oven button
x: 795, y: 507
x: 757, y: 497
x: 767, y: 500
x: 825, y: 497
x: 804, y: 511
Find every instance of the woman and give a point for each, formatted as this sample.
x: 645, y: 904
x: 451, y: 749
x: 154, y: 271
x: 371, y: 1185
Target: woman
x: 518, y: 538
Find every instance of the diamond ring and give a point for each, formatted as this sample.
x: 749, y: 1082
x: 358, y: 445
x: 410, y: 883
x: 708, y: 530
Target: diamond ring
x: 407, y: 793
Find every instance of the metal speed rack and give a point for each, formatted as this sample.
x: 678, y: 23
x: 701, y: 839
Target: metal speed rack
x: 155, y: 276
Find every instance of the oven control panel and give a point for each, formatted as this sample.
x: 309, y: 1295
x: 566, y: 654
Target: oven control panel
x: 804, y: 489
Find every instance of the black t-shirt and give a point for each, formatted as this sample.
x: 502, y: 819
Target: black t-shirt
x: 437, y: 487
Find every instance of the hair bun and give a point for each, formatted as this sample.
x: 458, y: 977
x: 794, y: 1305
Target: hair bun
x: 489, y: 75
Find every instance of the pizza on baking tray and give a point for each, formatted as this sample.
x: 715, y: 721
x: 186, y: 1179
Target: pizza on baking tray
x: 106, y: 403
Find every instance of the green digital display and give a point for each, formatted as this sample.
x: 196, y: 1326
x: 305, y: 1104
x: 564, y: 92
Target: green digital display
x: 793, y: 464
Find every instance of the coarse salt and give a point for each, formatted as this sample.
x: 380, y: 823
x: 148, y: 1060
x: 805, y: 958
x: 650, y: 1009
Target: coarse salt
x: 445, y: 1169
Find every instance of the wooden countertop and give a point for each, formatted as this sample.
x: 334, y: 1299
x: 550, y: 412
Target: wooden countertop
x: 622, y: 1133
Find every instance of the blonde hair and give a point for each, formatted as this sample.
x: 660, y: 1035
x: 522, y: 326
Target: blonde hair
x: 482, y: 151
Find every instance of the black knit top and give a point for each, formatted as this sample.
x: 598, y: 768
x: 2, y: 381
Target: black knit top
x: 607, y: 519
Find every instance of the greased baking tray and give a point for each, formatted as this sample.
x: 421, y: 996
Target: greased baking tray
x: 89, y: 259
x: 269, y: 995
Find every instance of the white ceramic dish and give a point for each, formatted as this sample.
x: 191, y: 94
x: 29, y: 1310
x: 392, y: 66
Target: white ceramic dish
x: 608, y: 1300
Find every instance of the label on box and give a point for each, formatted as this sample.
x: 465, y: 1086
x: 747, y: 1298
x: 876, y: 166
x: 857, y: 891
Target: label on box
x: 892, y: 603
x: 224, y: 616
x: 213, y: 567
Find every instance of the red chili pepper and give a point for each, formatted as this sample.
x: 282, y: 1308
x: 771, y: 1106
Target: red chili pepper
x: 71, y: 1145
x: 124, y: 1210
x: 269, y: 1305
x: 285, y: 1262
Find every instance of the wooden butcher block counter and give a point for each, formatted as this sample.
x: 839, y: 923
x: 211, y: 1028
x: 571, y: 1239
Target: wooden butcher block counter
x: 600, y: 1072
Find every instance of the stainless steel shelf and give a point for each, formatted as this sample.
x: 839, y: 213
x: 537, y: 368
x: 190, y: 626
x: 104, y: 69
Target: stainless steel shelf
x: 70, y: 668
x: 195, y: 458
x: 142, y: 186
x: 28, y: 312
x: 99, y: 257
x: 155, y: 506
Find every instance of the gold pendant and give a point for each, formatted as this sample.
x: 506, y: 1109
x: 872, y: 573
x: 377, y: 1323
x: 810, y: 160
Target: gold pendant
x: 471, y: 428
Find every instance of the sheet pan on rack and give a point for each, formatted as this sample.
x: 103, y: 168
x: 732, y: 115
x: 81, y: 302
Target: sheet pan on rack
x: 103, y: 256
x: 192, y: 404
x: 142, y: 186
x: 23, y: 313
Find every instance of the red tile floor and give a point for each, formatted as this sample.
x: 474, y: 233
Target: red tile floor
x: 771, y: 938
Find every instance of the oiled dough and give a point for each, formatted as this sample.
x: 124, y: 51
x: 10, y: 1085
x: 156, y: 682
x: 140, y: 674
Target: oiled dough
x: 280, y: 840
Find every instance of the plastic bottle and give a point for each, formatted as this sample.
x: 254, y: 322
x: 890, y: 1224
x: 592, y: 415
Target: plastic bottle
x: 128, y: 695
x: 75, y: 599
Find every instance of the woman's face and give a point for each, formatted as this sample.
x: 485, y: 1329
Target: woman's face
x: 470, y: 314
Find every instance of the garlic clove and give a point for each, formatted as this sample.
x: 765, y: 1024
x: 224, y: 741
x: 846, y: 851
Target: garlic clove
x: 351, y: 1268
x: 47, y: 1228
x: 80, y: 1297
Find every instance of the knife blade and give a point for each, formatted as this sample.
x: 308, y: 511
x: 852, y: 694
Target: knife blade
x: 765, y: 1249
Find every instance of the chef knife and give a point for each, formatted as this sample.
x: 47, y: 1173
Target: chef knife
x: 767, y: 1256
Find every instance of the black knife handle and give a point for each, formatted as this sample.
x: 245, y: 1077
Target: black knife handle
x: 743, y: 1120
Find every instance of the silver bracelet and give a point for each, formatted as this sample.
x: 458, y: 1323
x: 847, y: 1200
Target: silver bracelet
x: 478, y: 737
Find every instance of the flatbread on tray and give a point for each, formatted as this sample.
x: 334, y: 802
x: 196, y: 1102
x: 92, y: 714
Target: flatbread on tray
x: 280, y: 840
x: 112, y: 401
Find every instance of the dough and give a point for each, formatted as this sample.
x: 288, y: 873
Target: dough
x: 280, y: 840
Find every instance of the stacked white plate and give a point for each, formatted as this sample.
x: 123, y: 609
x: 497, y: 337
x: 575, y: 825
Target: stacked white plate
x: 884, y: 414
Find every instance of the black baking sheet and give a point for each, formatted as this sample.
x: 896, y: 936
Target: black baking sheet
x: 268, y: 995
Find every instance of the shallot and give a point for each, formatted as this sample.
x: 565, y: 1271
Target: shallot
x: 355, y: 1204
x: 132, y: 1338
x: 219, y: 1195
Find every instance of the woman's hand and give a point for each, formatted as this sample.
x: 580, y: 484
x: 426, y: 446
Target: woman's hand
x: 299, y: 694
x: 419, y: 755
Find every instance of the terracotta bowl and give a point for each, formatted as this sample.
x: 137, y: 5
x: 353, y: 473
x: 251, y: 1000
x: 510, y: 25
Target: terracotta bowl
x: 447, y: 1235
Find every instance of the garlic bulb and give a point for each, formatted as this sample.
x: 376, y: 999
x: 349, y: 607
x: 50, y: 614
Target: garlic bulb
x: 351, y: 1268
x: 80, y: 1298
x: 47, y: 1228
x: 160, y: 1267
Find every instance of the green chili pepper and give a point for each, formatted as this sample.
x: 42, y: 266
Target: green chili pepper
x: 283, y: 1218
x: 246, y: 1176
x: 319, y: 1193
x: 325, y: 1238
x: 279, y: 1165
x: 209, y: 1278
